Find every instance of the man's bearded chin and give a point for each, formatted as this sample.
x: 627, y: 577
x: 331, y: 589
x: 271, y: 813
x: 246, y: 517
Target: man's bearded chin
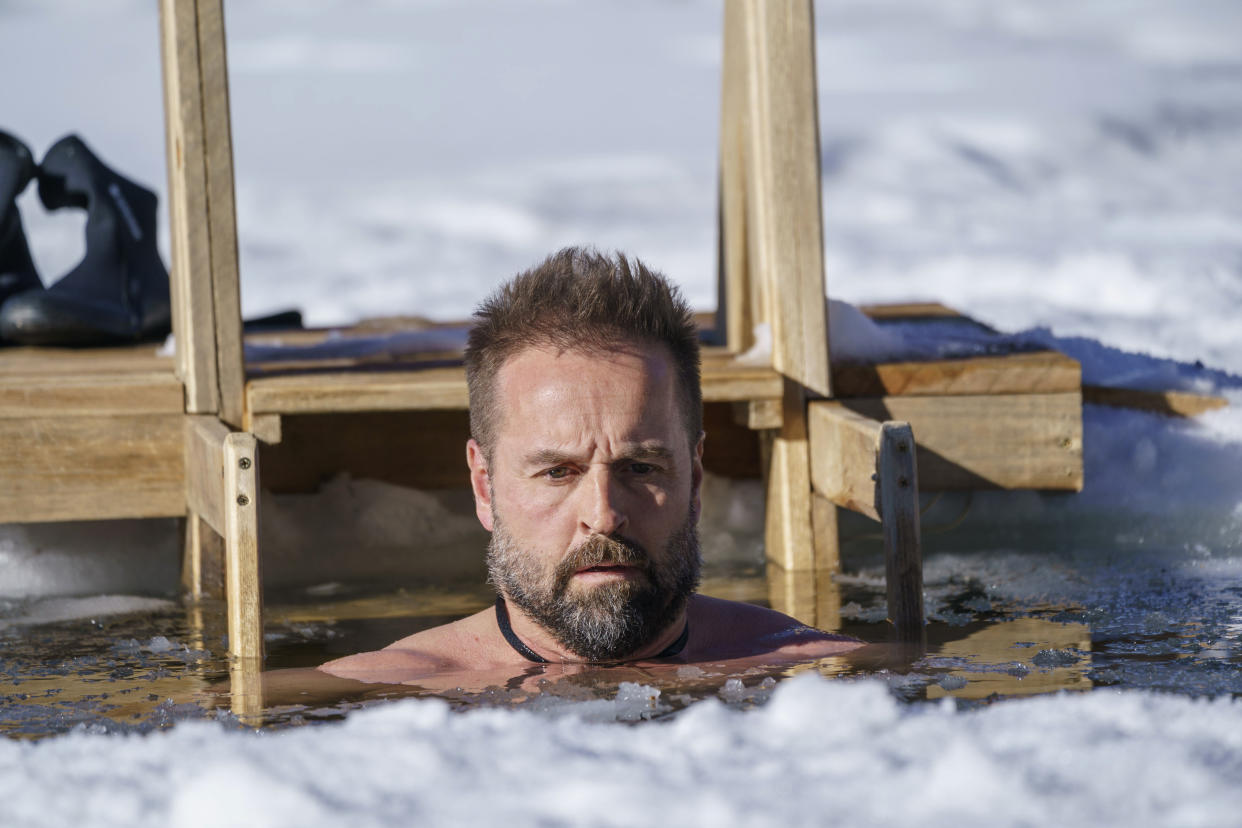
x: 604, y: 622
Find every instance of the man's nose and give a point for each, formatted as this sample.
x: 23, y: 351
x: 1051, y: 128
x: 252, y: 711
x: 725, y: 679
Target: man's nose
x: 601, y: 509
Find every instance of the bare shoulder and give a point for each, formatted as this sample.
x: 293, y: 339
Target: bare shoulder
x: 726, y: 627
x: 447, y: 648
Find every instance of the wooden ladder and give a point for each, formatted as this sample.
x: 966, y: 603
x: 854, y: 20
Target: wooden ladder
x: 771, y: 265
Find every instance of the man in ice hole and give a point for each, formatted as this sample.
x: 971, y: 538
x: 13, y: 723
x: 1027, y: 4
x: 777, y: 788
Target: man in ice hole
x: 586, y: 464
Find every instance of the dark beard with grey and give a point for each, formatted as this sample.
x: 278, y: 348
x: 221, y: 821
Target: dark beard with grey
x: 606, y: 622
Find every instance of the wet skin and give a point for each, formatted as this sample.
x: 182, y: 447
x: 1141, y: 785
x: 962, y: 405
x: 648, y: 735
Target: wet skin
x: 588, y: 444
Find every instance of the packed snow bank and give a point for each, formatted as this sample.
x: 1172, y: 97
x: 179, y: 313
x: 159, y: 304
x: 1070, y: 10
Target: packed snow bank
x: 819, y: 753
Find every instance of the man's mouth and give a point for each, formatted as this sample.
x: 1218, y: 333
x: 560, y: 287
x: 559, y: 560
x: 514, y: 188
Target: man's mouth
x: 605, y: 570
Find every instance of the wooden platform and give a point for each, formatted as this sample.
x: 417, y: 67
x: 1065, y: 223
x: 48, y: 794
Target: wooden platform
x: 97, y: 433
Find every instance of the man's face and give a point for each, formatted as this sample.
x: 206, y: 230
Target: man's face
x: 591, y: 494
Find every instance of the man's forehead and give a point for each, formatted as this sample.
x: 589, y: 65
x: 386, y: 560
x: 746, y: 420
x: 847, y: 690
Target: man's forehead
x: 626, y: 361
x: 550, y: 390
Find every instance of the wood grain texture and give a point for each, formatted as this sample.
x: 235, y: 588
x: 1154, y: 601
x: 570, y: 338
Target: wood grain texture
x: 202, y: 563
x: 204, y: 468
x: 243, y: 581
x: 824, y: 527
x: 787, y: 521
x: 1018, y: 441
x: 25, y: 362
x: 221, y: 209
x: 735, y: 287
x: 758, y: 414
x: 899, y: 510
x: 445, y: 388
x: 911, y: 310
x: 193, y: 317
x: 1039, y: 372
x: 266, y: 427
x: 784, y: 216
x: 87, y: 468
x: 90, y: 394
x: 246, y: 698
x: 844, y: 447
x: 1169, y: 403
x: 313, y: 393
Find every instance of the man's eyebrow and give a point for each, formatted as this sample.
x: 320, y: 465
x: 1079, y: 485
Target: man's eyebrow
x: 634, y: 451
x: 545, y: 457
x: 648, y: 451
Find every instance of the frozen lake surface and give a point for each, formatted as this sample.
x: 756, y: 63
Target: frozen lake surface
x: 1066, y: 172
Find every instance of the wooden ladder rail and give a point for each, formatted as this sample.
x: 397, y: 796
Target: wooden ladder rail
x: 771, y: 258
x: 772, y: 273
x: 221, y: 462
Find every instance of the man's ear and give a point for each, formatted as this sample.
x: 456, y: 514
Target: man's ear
x: 480, y: 483
x: 696, y: 477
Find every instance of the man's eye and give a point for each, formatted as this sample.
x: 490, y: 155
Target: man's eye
x: 642, y: 468
x: 558, y: 473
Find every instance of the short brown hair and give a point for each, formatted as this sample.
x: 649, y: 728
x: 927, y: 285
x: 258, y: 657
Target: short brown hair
x: 579, y: 299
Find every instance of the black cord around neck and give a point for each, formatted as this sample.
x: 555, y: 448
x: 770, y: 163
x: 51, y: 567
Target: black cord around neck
x: 506, y: 629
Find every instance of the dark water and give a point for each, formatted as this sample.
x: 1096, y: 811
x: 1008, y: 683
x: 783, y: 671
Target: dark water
x: 1001, y: 625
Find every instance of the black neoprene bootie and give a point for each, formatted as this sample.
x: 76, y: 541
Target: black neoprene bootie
x: 119, y: 291
x: 17, y: 270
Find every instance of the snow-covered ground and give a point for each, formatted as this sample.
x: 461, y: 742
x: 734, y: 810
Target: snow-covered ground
x: 1068, y: 170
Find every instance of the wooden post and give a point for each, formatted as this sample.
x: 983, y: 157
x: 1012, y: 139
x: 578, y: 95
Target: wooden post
x: 243, y: 584
x: 788, y: 540
x: 784, y: 220
x: 899, y: 510
x: 246, y: 690
x: 771, y: 249
x: 221, y: 487
x: 203, y: 226
x: 869, y: 467
x: 736, y: 303
x: 221, y: 210
x: 202, y: 568
x: 193, y: 317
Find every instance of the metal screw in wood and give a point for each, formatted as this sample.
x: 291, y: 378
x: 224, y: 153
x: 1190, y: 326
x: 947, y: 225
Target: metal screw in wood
x: 243, y: 463
x: 242, y: 500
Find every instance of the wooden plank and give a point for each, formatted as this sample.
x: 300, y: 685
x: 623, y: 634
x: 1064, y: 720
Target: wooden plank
x: 445, y: 388
x: 193, y: 316
x: 899, y: 508
x: 1017, y: 441
x: 204, y: 469
x: 844, y: 446
x: 246, y: 699
x: 28, y: 361
x: 824, y: 528
x: 734, y: 290
x: 88, y: 468
x: 1169, y: 403
x: 202, y: 563
x: 1038, y: 372
x: 243, y: 584
x: 99, y: 395
x: 787, y: 521
x: 266, y: 427
x: 911, y: 310
x: 731, y: 382
x: 784, y: 218
x: 428, y: 389
x: 221, y: 209
x: 758, y: 414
